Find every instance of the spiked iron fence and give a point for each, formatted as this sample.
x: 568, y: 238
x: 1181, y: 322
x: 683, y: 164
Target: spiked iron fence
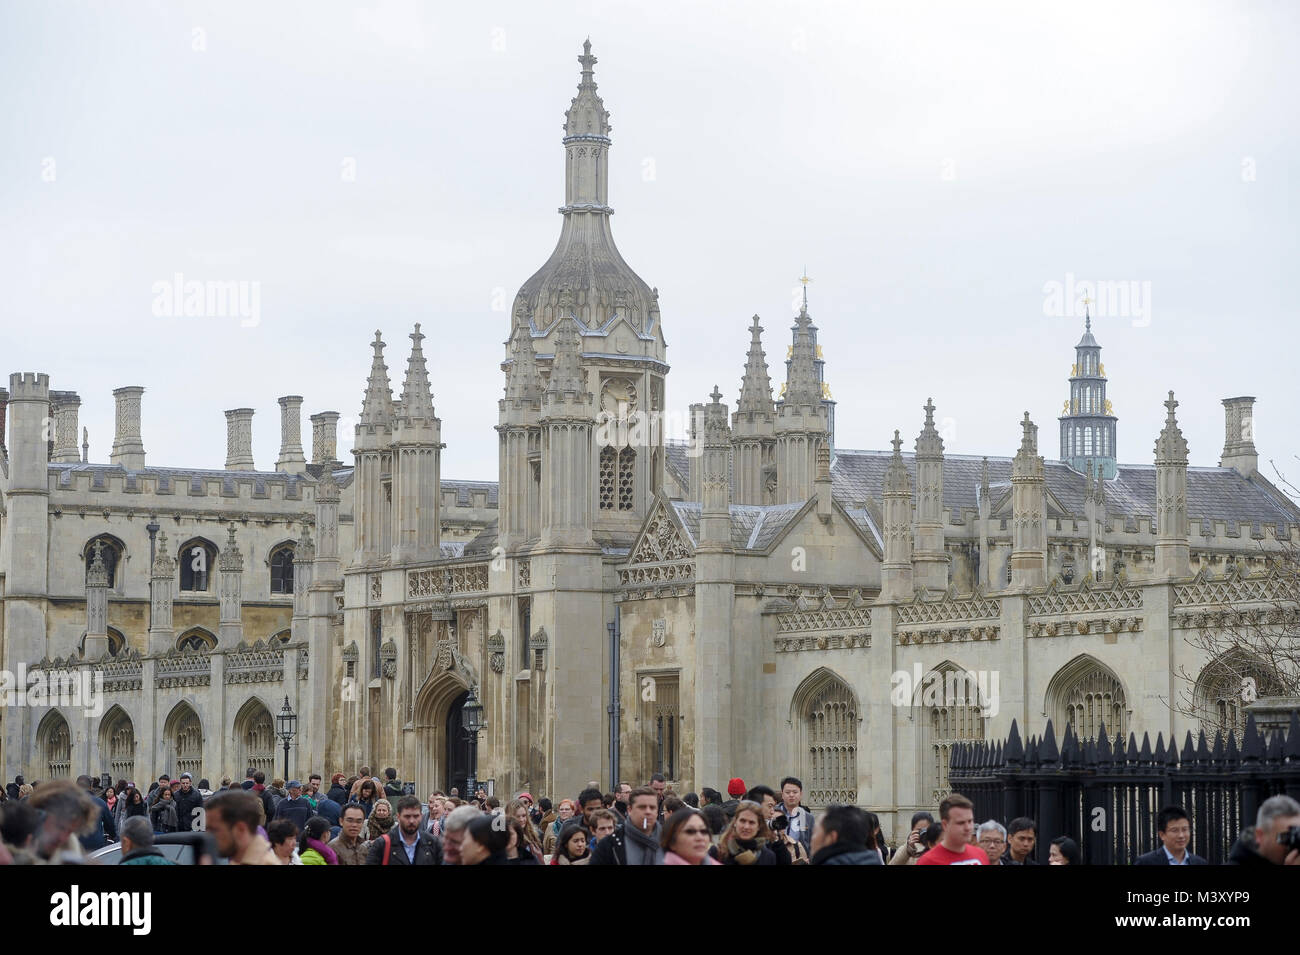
x: 1105, y: 793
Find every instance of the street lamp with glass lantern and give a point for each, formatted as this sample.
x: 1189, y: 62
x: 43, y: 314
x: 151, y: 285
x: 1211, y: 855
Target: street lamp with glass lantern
x: 286, y: 727
x: 471, y: 721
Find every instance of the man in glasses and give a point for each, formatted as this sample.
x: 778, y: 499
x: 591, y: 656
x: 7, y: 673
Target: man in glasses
x: 992, y: 838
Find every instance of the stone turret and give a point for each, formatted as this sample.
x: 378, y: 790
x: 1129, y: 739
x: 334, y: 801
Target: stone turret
x: 520, y: 442
x: 929, y: 558
x: 896, y: 572
x: 715, y: 484
x: 416, y: 469
x: 372, y: 502
x: 801, y: 418
x: 1087, y: 424
x: 754, y: 424
x: 1172, y: 545
x: 567, y: 420
x: 1029, y: 512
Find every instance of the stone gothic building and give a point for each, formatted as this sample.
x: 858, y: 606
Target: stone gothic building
x: 753, y: 602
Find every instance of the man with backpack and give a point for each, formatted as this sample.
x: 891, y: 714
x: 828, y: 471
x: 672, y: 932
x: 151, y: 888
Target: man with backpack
x: 406, y: 843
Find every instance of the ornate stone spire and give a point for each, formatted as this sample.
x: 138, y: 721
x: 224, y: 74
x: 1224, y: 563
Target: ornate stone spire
x: 1172, y: 544
x: 231, y: 559
x: 377, y: 406
x: 930, y: 558
x: 1171, y: 447
x: 801, y: 386
x: 417, y: 399
x: 97, y: 574
x: 896, y: 572
x: 586, y: 127
x: 163, y: 564
x: 755, y: 385
x: 567, y: 377
x: 984, y: 479
x: 523, y: 380
x: 1028, y: 508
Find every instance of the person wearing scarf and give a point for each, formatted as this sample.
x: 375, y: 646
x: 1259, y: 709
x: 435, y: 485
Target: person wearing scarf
x: 571, y: 846
x: 379, y: 824
x: 312, y: 849
x: 745, y: 841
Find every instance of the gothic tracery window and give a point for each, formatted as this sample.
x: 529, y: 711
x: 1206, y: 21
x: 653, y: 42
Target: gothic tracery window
x: 197, y: 559
x: 828, y: 735
x: 282, y: 569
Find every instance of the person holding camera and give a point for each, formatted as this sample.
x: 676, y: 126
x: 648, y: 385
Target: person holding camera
x: 1275, y: 839
x: 917, y: 843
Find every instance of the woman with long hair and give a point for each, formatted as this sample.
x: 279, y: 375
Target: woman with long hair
x: 312, y: 848
x: 744, y: 842
x: 563, y: 814
x: 686, y: 839
x: 571, y: 846
x: 518, y: 849
x: 381, y: 819
x: 367, y: 795
x: 517, y: 810
x: 134, y: 804
x: 163, y: 813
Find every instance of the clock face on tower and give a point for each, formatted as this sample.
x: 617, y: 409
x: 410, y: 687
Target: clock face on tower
x: 618, y: 396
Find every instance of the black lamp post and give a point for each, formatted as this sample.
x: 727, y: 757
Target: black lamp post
x: 471, y: 721
x: 286, y: 727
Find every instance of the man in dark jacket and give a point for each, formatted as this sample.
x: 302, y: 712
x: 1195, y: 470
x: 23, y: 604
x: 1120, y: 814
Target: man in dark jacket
x: 1260, y: 846
x: 840, y: 838
x: 392, y: 785
x: 137, y: 844
x: 105, y: 829
x: 188, y: 800
x: 406, y: 843
x: 296, y: 808
x: 635, y: 841
x: 1022, y: 836
x: 1175, y: 829
x: 800, y: 820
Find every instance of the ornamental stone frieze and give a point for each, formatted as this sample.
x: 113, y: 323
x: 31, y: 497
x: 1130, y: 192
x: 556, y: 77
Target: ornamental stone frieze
x: 825, y: 641
x: 496, y: 648
x: 949, y: 635
x: 259, y: 663
x: 950, y: 608
x: 438, y: 581
x: 524, y: 577
x: 183, y: 668
x: 1234, y: 587
x: 1086, y: 597
x: 1095, y: 625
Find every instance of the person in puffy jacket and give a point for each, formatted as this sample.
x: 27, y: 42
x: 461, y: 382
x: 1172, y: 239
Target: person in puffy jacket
x: 163, y: 813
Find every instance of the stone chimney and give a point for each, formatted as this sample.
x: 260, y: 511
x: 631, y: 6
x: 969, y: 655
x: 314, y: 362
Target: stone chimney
x: 291, y: 459
x: 4, y: 413
x: 325, y: 438
x: 128, y: 449
x: 63, y: 409
x: 1239, y: 436
x: 239, y: 439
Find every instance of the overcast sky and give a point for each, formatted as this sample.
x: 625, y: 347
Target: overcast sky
x: 935, y: 166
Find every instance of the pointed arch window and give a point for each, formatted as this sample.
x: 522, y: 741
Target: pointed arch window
x: 952, y: 711
x: 54, y: 741
x: 1087, y: 694
x: 110, y: 553
x: 827, y: 714
x: 196, y: 639
x: 282, y: 569
x: 197, y: 559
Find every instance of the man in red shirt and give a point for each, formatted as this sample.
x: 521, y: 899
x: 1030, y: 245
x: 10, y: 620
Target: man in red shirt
x: 957, y: 815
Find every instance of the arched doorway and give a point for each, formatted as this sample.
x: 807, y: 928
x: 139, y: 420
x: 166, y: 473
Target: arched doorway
x: 825, y: 713
x: 457, y: 750
x: 54, y: 742
x: 440, y: 744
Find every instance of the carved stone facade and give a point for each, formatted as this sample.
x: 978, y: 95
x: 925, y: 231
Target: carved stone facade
x: 766, y: 591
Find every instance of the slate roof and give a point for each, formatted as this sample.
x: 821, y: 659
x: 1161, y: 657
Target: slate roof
x: 1213, y: 494
x: 677, y: 461
x: 753, y: 527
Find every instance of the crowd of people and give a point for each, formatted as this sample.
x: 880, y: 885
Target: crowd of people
x: 364, y: 819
